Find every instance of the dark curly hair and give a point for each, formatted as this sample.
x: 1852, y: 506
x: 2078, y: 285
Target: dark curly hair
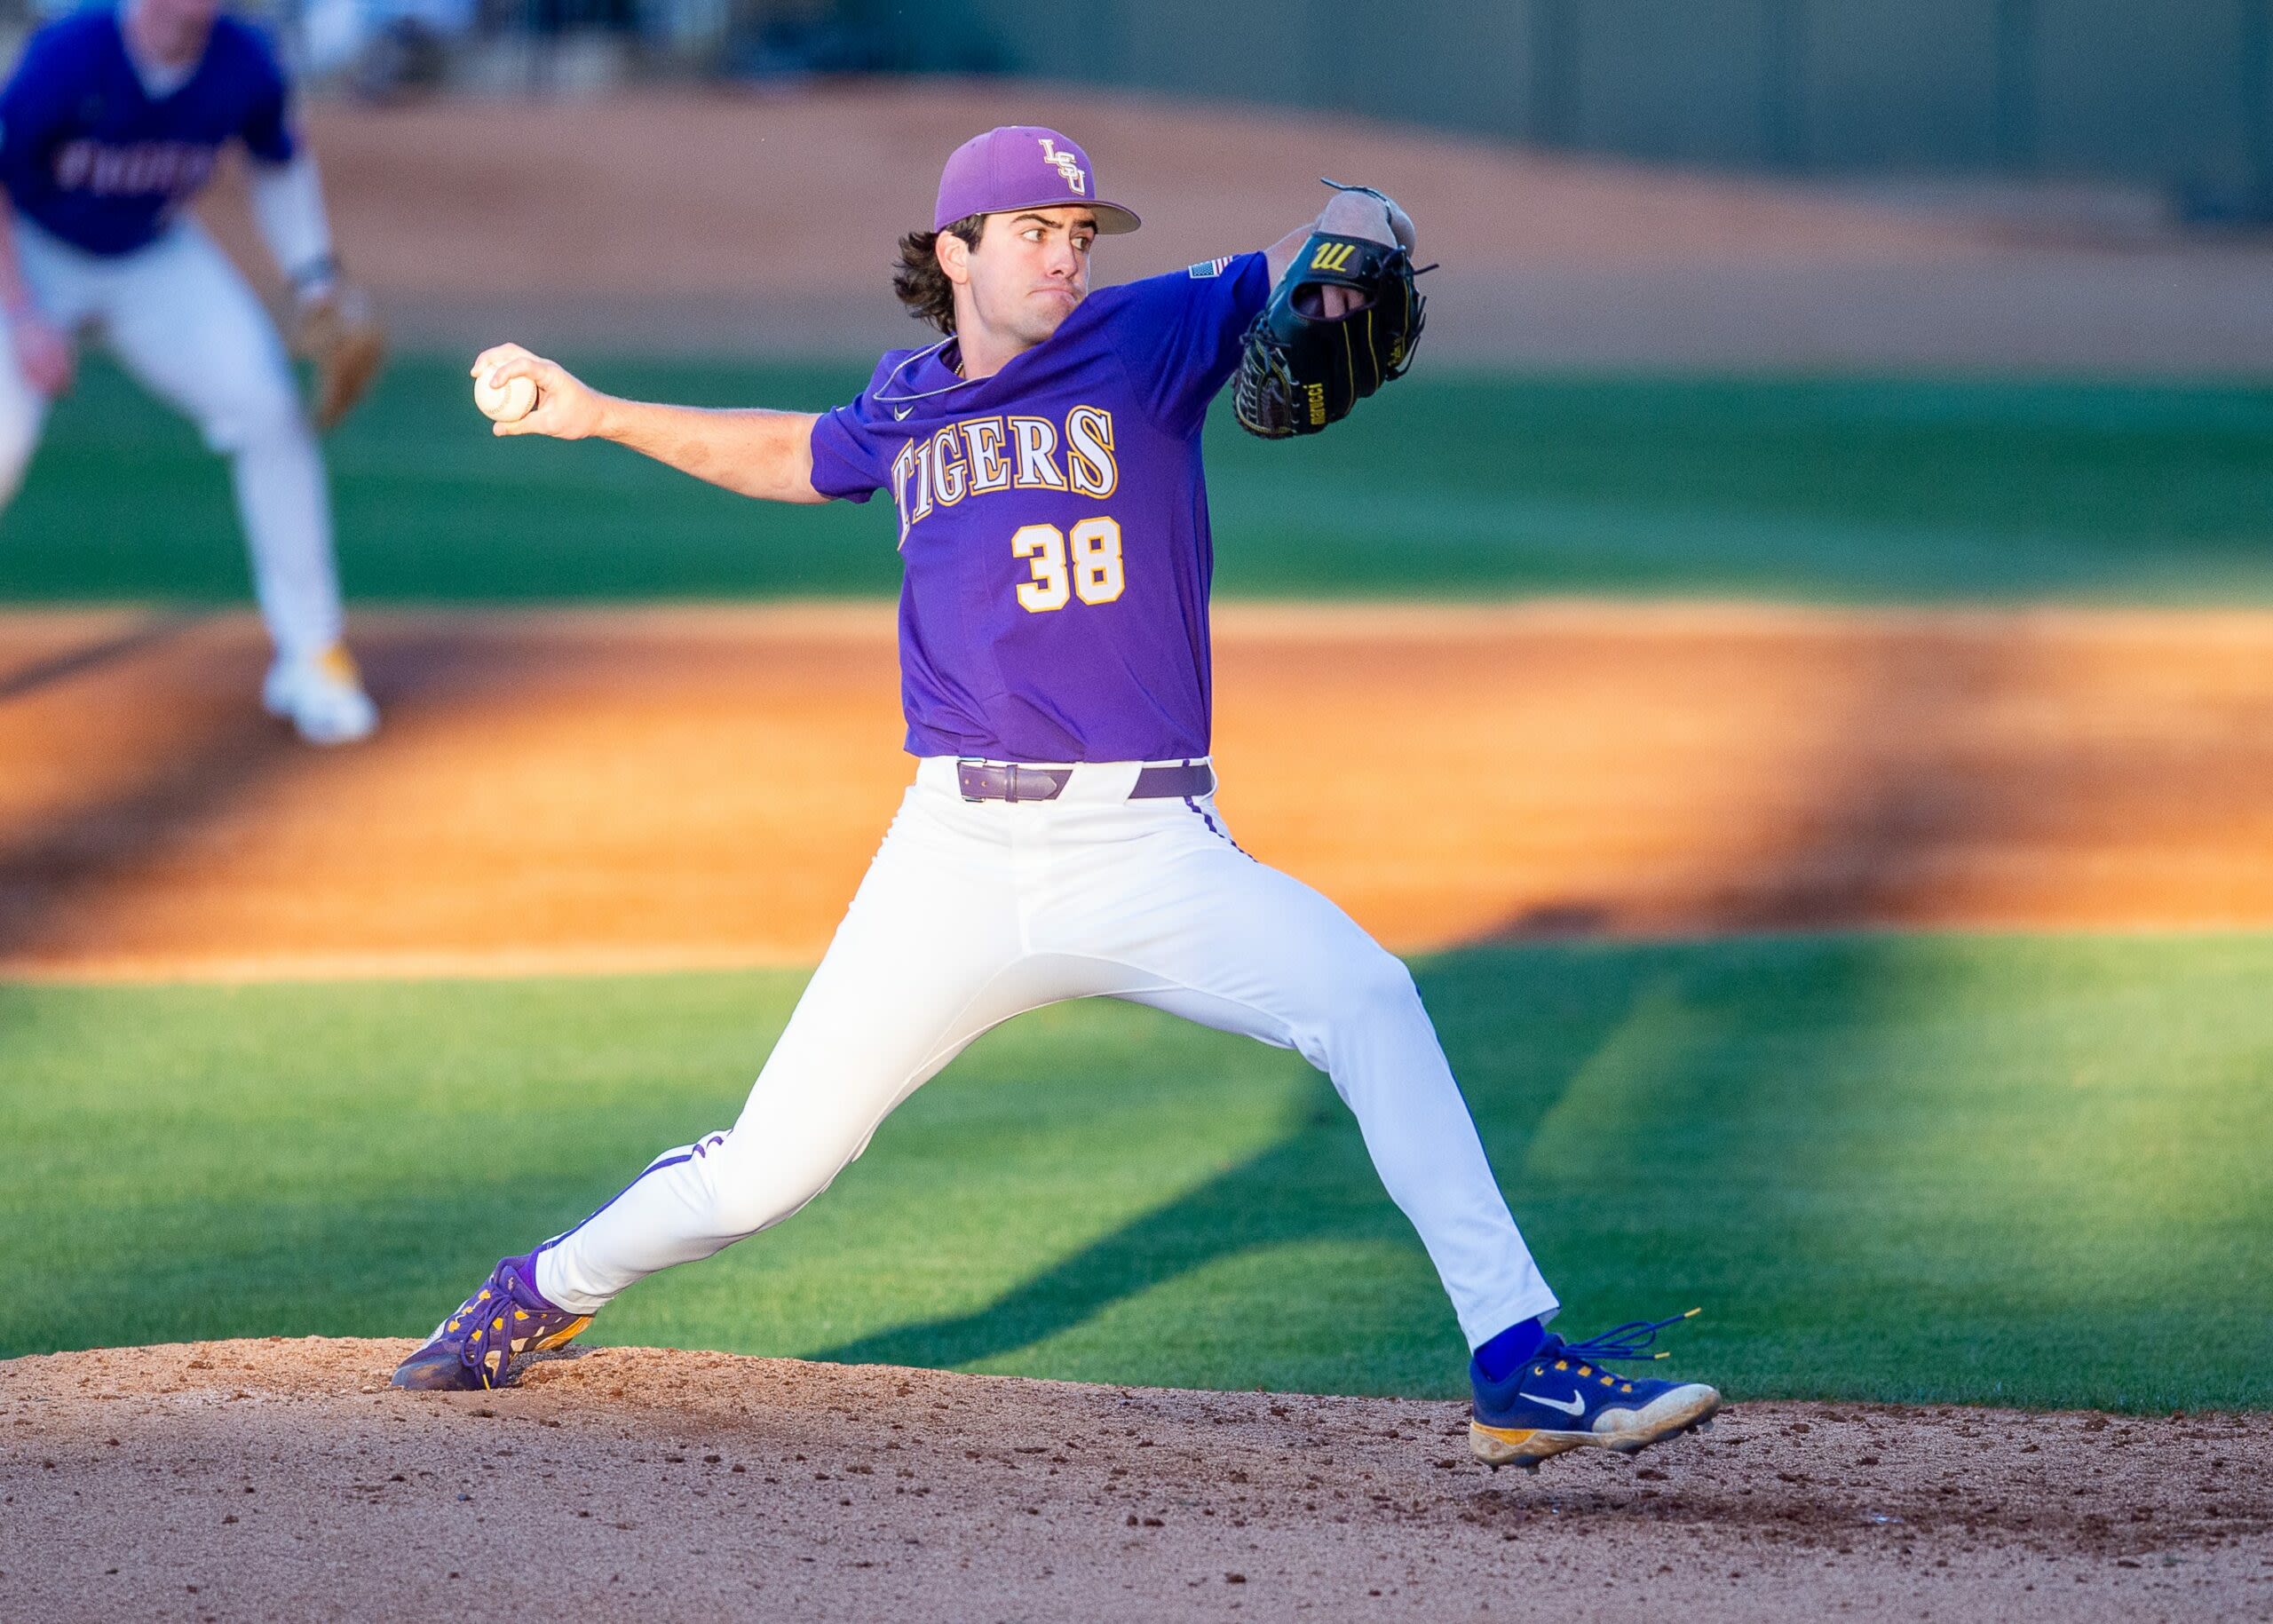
x: 921, y: 286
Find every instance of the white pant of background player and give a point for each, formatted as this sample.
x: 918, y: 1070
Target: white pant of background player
x: 974, y: 912
x: 181, y: 319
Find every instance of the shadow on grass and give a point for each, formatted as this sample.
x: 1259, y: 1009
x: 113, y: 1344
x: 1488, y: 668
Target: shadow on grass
x: 1301, y: 1188
x: 1314, y: 1184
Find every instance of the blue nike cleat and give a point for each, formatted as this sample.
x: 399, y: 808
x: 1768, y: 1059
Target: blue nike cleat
x: 1561, y: 1399
x: 474, y: 1348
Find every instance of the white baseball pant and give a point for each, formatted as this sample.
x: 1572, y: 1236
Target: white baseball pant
x: 180, y: 318
x: 974, y: 912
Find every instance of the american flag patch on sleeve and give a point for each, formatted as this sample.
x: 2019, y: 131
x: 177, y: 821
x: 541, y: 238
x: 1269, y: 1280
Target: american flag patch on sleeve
x: 1210, y: 268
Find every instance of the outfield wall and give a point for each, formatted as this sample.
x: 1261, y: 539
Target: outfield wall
x: 2178, y: 94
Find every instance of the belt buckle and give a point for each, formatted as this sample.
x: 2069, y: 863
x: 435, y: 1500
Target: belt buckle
x: 1012, y: 775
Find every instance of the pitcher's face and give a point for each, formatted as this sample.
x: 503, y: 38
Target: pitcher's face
x: 1028, y: 272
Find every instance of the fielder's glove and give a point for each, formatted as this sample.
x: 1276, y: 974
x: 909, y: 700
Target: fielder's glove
x: 1304, y: 369
x: 339, y: 331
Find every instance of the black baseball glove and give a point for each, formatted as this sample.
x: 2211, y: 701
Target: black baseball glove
x: 1304, y: 369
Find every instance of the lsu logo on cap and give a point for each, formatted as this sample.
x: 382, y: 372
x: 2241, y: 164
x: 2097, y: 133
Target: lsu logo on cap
x: 1068, y: 166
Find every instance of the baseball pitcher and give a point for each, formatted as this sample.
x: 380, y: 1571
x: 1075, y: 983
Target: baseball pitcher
x: 1061, y: 838
x: 114, y: 120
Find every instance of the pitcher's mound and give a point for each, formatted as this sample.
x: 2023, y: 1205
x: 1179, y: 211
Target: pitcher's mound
x: 285, y: 1479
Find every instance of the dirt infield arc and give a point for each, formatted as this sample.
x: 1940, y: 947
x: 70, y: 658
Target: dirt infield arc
x: 283, y: 1479
x: 658, y: 788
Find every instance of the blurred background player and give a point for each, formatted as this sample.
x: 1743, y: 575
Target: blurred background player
x: 113, y: 120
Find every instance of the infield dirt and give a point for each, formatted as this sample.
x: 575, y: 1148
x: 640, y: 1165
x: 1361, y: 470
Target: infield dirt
x: 249, y: 1479
x: 742, y: 223
x: 690, y: 788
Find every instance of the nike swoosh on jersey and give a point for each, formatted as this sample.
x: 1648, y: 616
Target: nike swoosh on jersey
x: 900, y: 413
x: 1569, y: 1406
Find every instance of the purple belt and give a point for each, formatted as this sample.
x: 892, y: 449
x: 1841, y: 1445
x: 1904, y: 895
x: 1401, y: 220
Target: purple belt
x: 989, y: 780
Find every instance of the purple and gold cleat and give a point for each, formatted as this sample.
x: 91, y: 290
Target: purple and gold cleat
x: 475, y: 1346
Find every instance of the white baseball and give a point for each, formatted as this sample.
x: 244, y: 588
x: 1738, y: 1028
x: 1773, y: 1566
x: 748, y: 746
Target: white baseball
x: 515, y: 401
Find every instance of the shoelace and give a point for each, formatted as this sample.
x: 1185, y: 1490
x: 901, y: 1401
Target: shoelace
x: 1630, y: 1341
x: 481, y: 1338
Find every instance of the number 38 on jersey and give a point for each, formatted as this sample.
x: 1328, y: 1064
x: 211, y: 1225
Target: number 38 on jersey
x: 1083, y: 562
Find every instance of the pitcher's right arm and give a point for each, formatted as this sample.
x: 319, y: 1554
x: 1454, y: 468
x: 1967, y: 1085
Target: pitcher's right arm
x: 749, y: 450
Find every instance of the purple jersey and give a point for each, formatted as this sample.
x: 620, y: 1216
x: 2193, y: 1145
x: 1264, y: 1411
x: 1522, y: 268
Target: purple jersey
x: 87, y: 153
x: 1053, y: 523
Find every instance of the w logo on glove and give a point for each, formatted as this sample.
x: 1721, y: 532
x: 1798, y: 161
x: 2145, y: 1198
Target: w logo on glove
x: 1302, y: 369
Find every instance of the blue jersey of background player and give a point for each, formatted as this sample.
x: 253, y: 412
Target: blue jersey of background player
x: 87, y: 152
x: 111, y: 123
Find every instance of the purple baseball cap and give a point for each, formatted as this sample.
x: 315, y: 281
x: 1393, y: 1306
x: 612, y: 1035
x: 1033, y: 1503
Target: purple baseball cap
x: 1022, y: 166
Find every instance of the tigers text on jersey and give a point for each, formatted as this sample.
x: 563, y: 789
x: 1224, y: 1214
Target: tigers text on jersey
x: 88, y: 152
x: 1053, y: 524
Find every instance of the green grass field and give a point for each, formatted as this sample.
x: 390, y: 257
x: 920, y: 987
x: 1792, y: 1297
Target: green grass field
x: 1980, y: 1168
x: 1448, y: 486
x: 2000, y: 1169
